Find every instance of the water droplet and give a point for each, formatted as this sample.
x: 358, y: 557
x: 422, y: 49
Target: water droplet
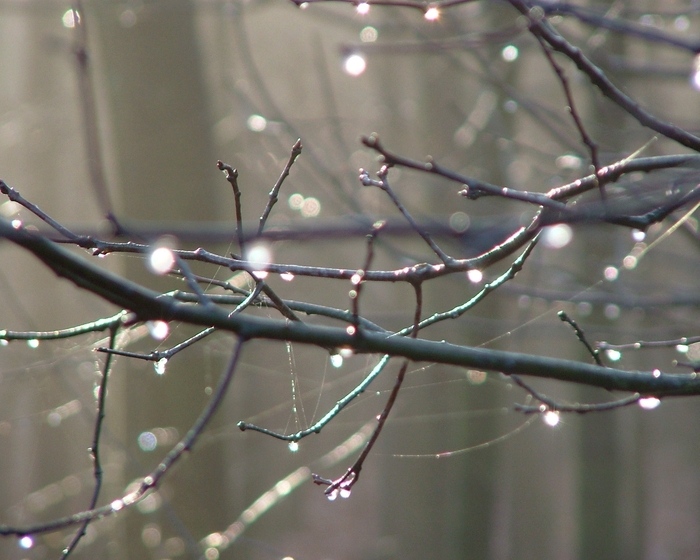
x: 355, y: 64
x: 357, y: 277
x: 369, y: 34
x: 259, y: 256
x: 159, y: 366
x: 569, y: 162
x: 336, y: 360
x: 558, y: 236
x: 117, y: 505
x: 695, y: 75
x: 613, y: 355
x: 287, y: 276
x: 509, y: 53
x: 610, y: 273
x: 147, y: 441
x: 629, y: 262
x: 162, y: 260
x: 16, y: 224
x: 53, y: 418
x: 158, y: 330
x: 649, y: 403
x: 551, y: 418
x: 362, y: 8
x: 295, y: 201
x: 432, y: 14
x: 257, y: 123
x: 33, y: 343
x: 345, y: 493
x: 26, y: 542
x: 293, y: 446
x: 510, y: 106
x: 459, y: 222
x: 682, y: 348
x: 475, y: 276
x: 611, y: 311
x: 656, y: 373
x: 70, y: 18
x: 351, y: 330
x: 346, y: 353
x: 638, y: 235
x: 333, y: 495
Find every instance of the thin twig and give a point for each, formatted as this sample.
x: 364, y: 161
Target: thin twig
x: 88, y: 106
x: 383, y: 183
x: 95, y: 447
x: 343, y: 485
x: 595, y: 354
x: 539, y: 26
x: 231, y: 175
x: 273, y: 196
x: 585, y: 137
x: 153, y: 479
x: 551, y: 405
x: 357, y: 278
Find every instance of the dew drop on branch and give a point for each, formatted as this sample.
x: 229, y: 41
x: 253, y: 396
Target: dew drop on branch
x: 613, y: 355
x: 362, y: 8
x: 551, y: 418
x: 695, y: 75
x: 159, y: 366
x: 649, y: 403
x: 333, y: 495
x: 336, y: 360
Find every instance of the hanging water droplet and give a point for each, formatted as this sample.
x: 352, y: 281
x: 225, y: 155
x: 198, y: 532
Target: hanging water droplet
x: 333, y: 495
x: 551, y: 418
x: 345, y: 493
x: 26, y: 542
x: 432, y: 14
x: 336, y: 360
x: 695, y: 74
x: 33, y: 343
x: 354, y: 64
x: 638, y: 235
x: 613, y: 355
x: 656, y: 373
x: 287, y: 276
x: 649, y: 403
x: 159, y: 366
x: 362, y: 8
x: 475, y: 276
x: 293, y: 446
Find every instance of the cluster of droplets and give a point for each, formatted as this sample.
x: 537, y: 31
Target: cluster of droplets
x: 355, y: 64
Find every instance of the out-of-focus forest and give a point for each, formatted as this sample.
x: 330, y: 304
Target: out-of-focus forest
x: 113, y: 116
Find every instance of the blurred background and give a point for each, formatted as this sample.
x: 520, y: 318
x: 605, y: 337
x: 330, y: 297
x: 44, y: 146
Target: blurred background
x: 173, y: 86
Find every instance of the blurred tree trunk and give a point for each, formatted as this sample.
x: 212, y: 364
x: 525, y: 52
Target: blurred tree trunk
x: 162, y: 162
